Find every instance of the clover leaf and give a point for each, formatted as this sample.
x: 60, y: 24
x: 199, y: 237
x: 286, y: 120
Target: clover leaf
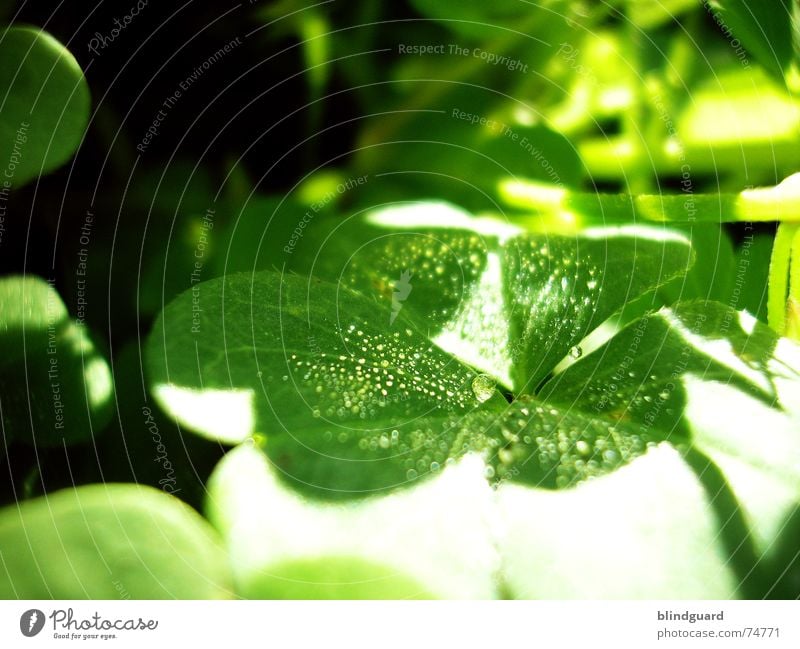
x: 509, y: 302
x: 696, y: 507
x: 356, y: 388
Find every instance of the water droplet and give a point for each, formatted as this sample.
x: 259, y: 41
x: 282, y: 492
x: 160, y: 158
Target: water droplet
x: 576, y: 352
x: 483, y: 387
x: 411, y: 474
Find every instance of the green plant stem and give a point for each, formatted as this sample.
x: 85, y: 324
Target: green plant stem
x: 558, y: 208
x: 792, y: 310
x: 779, y: 276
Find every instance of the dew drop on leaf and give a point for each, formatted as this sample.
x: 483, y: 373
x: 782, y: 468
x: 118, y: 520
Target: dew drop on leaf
x: 483, y: 387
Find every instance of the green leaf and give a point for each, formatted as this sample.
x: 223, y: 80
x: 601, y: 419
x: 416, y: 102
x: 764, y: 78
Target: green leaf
x: 637, y: 376
x: 331, y: 578
x: 45, y: 105
x: 506, y: 301
x: 707, y: 378
x: 333, y: 374
x: 543, y: 444
x: 561, y: 289
x: 320, y: 373
x: 783, y: 267
x: 55, y: 386
x: 674, y: 497
x: 109, y: 542
x: 765, y: 28
x: 733, y: 275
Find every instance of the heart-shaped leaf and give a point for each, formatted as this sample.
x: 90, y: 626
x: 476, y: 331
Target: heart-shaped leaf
x: 321, y: 374
x: 45, y: 104
x: 629, y: 382
x: 109, y: 542
x: 723, y: 389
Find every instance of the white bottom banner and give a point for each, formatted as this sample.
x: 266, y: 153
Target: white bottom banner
x: 403, y: 624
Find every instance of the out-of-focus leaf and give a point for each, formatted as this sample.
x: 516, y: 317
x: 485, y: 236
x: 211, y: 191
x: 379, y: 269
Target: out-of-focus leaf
x: 55, y: 387
x: 109, y: 542
x: 44, y: 106
x: 648, y: 14
x: 765, y: 28
x: 423, y: 542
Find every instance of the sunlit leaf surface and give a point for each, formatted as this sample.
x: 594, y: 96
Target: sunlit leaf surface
x: 109, y: 542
